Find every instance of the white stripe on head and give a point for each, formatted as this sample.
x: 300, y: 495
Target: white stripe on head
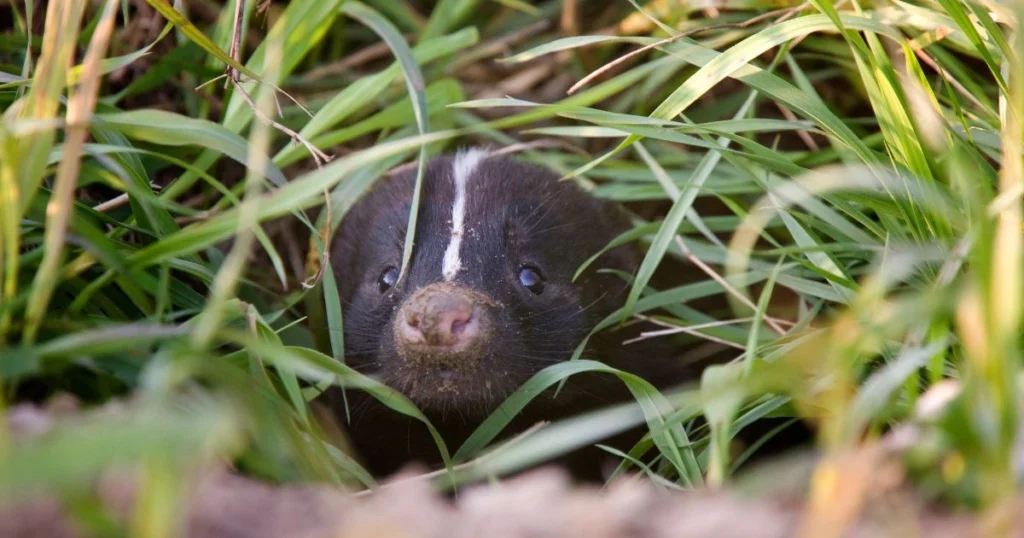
x: 464, y: 166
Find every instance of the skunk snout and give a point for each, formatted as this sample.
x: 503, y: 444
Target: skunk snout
x: 437, y: 319
x: 442, y: 325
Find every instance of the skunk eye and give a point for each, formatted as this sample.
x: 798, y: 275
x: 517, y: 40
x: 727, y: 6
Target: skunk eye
x: 387, y: 279
x: 530, y: 279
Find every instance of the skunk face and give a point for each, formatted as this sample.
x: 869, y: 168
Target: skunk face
x: 488, y: 298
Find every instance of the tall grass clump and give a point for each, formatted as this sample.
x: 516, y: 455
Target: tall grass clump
x: 844, y: 177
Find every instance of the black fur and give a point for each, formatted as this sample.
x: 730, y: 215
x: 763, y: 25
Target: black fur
x: 518, y: 214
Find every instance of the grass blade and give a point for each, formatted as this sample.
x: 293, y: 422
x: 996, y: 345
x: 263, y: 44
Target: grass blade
x: 58, y: 213
x: 681, y: 205
x: 416, y: 87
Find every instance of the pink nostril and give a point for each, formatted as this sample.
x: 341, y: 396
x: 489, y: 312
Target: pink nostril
x: 460, y: 324
x: 454, y: 325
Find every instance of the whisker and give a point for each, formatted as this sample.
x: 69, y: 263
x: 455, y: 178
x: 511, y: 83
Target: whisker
x: 548, y: 207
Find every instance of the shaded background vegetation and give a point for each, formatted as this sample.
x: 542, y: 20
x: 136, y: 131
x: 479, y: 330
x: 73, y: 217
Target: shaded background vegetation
x: 839, y: 181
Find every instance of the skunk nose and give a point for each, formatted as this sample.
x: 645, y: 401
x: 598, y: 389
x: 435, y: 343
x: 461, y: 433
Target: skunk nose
x: 439, y: 319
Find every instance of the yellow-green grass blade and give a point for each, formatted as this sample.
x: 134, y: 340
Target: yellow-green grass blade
x: 198, y: 37
x: 302, y: 25
x: 362, y: 92
x: 303, y: 192
x: 59, y: 209
x: 43, y: 99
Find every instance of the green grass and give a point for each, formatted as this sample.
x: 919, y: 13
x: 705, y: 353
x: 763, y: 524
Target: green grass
x: 865, y: 160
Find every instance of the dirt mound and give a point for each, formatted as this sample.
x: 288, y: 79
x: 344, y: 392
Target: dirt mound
x: 867, y: 496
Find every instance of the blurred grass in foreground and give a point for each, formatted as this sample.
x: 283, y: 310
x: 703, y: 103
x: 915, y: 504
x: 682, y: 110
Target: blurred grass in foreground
x: 861, y: 161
